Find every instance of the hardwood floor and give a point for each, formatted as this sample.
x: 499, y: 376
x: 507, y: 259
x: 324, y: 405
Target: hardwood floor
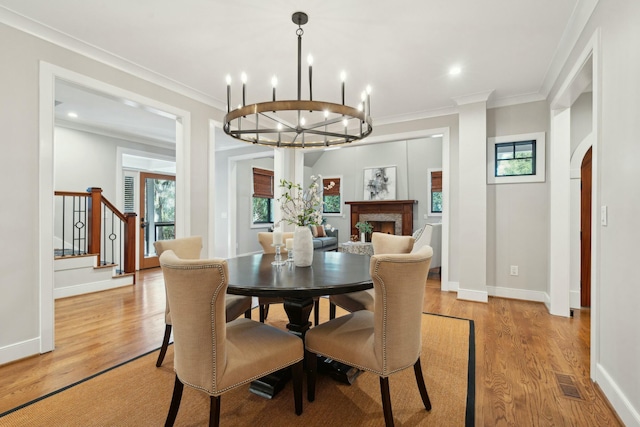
x: 525, y: 357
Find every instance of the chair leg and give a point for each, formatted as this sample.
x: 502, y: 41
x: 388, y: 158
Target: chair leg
x: 316, y: 312
x: 298, y: 372
x: 247, y: 314
x: 175, y: 403
x: 332, y: 311
x: 165, y: 344
x: 264, y: 312
x: 386, y: 401
x: 214, y: 412
x: 312, y: 369
x: 421, y: 386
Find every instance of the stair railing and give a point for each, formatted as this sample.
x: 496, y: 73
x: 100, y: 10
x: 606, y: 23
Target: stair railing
x: 88, y: 223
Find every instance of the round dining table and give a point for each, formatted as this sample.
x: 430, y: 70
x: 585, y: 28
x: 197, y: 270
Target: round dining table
x: 330, y: 273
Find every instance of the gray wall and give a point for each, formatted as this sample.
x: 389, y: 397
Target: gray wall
x: 616, y: 161
x: 85, y: 159
x: 247, y: 234
x: 411, y: 158
x: 518, y: 214
x: 19, y: 89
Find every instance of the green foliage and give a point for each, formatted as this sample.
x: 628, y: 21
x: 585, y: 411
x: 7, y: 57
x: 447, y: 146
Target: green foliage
x: 364, y: 227
x: 436, y: 201
x: 261, y: 210
x: 332, y: 204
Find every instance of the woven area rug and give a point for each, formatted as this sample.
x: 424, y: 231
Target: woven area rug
x: 137, y: 393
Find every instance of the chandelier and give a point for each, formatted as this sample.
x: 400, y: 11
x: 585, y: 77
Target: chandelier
x: 298, y: 123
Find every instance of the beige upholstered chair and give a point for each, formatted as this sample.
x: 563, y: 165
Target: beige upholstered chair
x: 363, y: 300
x: 385, y: 340
x: 213, y: 356
x: 266, y: 240
x: 189, y: 248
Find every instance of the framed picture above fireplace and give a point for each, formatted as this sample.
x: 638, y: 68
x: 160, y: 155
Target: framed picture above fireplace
x: 380, y: 183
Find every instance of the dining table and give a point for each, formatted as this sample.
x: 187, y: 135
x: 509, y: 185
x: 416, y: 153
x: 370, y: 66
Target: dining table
x: 330, y: 273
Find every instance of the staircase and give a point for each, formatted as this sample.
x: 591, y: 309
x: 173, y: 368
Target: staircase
x: 95, y: 244
x: 76, y: 275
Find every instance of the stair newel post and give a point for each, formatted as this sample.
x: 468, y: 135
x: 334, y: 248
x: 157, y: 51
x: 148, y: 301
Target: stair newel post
x: 130, y: 244
x: 95, y: 221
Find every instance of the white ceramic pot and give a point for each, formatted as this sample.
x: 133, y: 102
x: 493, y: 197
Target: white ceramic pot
x: 363, y: 237
x: 302, y: 247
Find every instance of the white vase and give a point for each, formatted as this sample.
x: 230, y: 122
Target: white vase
x: 302, y: 247
x: 363, y: 237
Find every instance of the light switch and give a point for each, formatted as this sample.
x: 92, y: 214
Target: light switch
x: 603, y: 215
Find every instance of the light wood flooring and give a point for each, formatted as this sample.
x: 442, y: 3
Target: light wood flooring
x: 532, y: 369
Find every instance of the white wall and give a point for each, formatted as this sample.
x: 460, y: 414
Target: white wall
x: 618, y: 293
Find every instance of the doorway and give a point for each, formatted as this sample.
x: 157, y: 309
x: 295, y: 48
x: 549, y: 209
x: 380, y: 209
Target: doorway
x: 585, y: 230
x: 49, y: 74
x: 157, y: 214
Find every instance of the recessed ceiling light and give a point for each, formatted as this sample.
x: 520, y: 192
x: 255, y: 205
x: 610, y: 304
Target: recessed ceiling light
x: 72, y: 115
x: 438, y: 135
x: 455, y: 70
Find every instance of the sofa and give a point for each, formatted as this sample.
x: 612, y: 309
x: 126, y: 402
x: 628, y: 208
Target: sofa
x: 328, y: 243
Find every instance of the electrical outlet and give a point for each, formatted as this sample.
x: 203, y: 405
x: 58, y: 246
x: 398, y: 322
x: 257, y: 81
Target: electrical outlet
x: 514, y: 270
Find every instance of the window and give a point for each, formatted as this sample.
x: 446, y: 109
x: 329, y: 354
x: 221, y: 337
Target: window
x: 516, y: 158
x: 262, y: 202
x: 435, y: 192
x: 331, y: 197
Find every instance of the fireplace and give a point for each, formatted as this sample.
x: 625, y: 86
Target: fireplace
x: 386, y: 216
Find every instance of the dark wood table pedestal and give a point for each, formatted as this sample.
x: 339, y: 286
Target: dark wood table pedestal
x: 331, y: 273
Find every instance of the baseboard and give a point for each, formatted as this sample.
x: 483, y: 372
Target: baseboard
x: 547, y: 301
x: 450, y: 286
x: 629, y: 415
x: 523, y: 294
x: 574, y: 299
x: 85, y: 288
x: 473, y: 295
x: 19, y: 350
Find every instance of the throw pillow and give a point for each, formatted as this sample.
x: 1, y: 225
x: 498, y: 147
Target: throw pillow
x: 321, y: 232
x: 314, y: 230
x: 424, y: 239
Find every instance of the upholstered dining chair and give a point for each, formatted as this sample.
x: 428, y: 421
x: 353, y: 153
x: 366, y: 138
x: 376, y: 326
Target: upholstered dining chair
x: 385, y: 340
x: 266, y: 241
x: 363, y: 300
x: 213, y: 356
x: 189, y: 248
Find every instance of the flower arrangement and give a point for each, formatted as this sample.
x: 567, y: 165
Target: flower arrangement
x: 299, y: 206
x: 364, y: 227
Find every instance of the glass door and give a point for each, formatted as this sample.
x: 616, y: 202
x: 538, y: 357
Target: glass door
x: 157, y: 214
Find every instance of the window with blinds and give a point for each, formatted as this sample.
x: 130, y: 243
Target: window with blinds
x: 331, y: 196
x: 436, y: 192
x: 129, y: 194
x: 262, y: 201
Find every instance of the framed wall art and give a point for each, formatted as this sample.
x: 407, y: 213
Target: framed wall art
x: 380, y: 183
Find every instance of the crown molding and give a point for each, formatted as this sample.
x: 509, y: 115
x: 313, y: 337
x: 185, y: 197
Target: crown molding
x: 112, y: 133
x: 473, y: 98
x: 73, y: 44
x: 420, y: 115
x: 579, y: 18
x: 516, y: 100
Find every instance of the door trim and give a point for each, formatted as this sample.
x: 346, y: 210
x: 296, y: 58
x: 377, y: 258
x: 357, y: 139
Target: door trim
x: 48, y: 75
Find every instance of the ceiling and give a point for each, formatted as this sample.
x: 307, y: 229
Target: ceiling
x: 403, y: 49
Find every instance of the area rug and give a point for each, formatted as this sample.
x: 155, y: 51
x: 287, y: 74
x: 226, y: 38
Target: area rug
x: 137, y: 393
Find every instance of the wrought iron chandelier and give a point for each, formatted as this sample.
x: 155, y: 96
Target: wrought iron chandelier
x: 298, y: 123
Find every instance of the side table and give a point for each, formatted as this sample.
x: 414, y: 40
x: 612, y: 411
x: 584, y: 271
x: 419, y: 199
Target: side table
x: 358, y: 248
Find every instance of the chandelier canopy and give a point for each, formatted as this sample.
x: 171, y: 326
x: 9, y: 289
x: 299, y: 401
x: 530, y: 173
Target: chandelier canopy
x: 298, y: 123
